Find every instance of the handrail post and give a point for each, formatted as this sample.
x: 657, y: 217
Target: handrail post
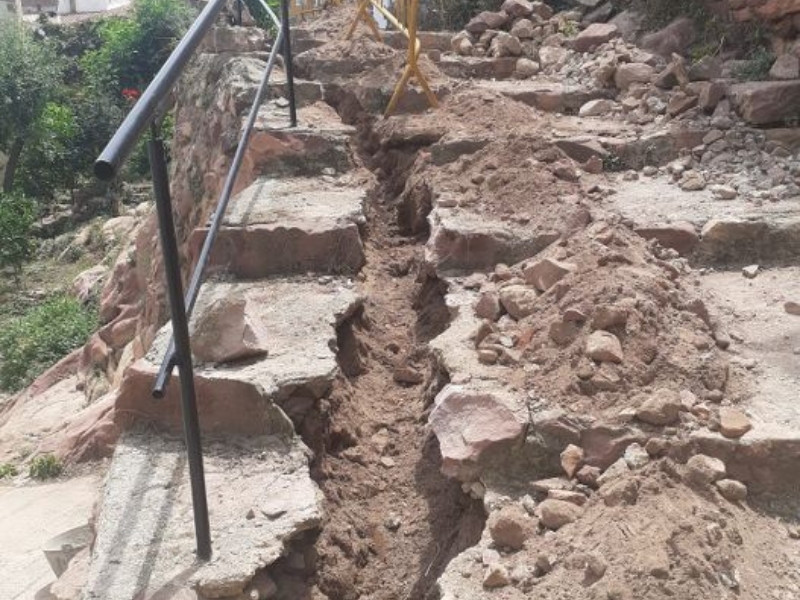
x: 287, y: 59
x: 183, y: 351
x: 239, y: 12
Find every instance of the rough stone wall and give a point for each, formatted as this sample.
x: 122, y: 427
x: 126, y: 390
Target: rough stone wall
x: 210, y: 103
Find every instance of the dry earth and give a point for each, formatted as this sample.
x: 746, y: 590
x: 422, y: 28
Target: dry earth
x: 560, y: 383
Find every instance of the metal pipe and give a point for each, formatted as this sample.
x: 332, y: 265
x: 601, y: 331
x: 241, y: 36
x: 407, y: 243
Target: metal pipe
x: 239, y: 12
x: 288, y: 62
x: 168, y: 362
x: 142, y: 114
x: 180, y: 329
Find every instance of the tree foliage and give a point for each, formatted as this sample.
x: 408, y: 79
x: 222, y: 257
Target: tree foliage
x: 17, y: 215
x: 29, y: 74
x: 133, y: 49
x: 34, y: 342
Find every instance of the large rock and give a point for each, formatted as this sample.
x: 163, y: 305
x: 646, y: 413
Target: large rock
x: 765, y: 102
x: 630, y: 24
x: 629, y: 73
x: 603, y: 346
x: 681, y: 236
x: 675, y: 38
x: 596, y: 108
x: 226, y: 331
x: 704, y: 470
x: 662, y: 408
x: 571, y: 459
x: 786, y: 66
x: 468, y: 422
x: 505, y: 44
x: 544, y: 274
x: 518, y: 300
x: 517, y: 8
x: 554, y: 514
x: 733, y: 423
x: 773, y: 10
x: 88, y: 284
x: 487, y: 20
x: 510, y: 527
x: 593, y: 36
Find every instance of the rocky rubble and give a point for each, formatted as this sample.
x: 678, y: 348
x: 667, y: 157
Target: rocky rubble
x: 652, y: 530
x: 651, y: 85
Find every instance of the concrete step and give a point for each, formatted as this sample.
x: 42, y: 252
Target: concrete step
x: 291, y: 326
x: 289, y: 226
x: 465, y: 241
x: 306, y: 92
x: 260, y: 498
x: 764, y: 342
x: 548, y: 96
x: 477, y: 67
x: 734, y: 231
x: 319, y: 142
x: 366, y: 76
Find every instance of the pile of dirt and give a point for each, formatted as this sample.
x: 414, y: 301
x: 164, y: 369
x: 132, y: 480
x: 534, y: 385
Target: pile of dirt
x: 601, y: 320
x: 657, y: 531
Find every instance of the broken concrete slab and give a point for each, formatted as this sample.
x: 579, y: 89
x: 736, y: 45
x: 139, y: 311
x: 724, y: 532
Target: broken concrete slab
x: 145, y: 545
x: 466, y: 241
x: 731, y: 231
x: 318, y: 142
x: 289, y: 226
x: 547, y: 96
x: 299, y: 318
x: 478, y: 67
x: 765, y: 341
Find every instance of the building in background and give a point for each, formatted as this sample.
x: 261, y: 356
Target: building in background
x: 7, y: 10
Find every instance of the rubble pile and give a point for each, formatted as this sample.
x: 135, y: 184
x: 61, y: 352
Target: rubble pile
x: 604, y: 325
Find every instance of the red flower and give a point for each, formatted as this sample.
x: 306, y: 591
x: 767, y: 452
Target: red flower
x: 131, y: 94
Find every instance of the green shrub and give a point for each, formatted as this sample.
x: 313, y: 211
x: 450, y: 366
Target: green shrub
x: 17, y: 215
x: 8, y: 470
x: 52, y: 146
x: 133, y: 49
x: 756, y: 65
x: 34, y: 342
x: 45, y: 467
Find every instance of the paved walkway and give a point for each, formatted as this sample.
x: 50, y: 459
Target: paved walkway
x: 31, y: 515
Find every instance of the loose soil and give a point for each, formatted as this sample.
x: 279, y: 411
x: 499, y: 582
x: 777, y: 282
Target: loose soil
x: 679, y: 540
x: 393, y: 521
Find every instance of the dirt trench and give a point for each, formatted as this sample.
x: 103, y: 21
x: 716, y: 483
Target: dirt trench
x: 393, y: 521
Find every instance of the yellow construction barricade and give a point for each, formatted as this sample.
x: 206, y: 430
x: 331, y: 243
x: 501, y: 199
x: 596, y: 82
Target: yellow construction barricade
x: 404, y: 18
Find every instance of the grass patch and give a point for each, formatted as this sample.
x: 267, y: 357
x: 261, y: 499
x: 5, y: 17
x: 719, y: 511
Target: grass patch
x: 41, y: 337
x: 8, y: 470
x: 45, y: 467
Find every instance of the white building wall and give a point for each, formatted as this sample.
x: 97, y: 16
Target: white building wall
x: 90, y: 6
x: 7, y: 10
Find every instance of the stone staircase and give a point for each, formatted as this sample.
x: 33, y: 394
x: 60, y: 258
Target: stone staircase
x: 265, y: 344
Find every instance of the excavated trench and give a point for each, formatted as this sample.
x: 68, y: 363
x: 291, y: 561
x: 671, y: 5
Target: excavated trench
x: 393, y: 521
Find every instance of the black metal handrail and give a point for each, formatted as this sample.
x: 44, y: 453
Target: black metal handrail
x: 169, y: 361
x: 142, y: 116
x: 146, y: 108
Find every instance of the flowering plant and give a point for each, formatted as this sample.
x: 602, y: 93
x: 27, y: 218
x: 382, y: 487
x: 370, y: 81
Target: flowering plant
x: 131, y: 94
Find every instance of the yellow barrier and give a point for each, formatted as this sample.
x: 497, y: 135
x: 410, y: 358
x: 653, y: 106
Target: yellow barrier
x: 406, y: 23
